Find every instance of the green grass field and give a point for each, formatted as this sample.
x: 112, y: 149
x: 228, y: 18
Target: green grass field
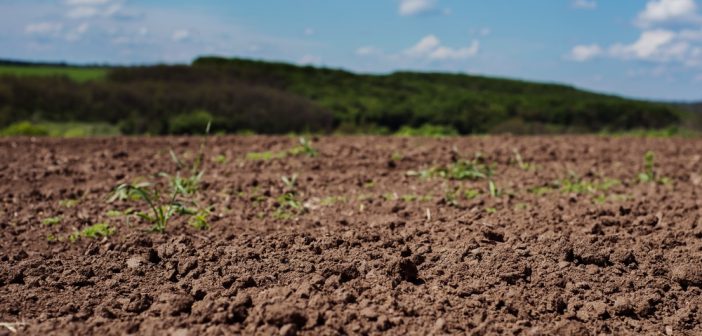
x: 77, y: 74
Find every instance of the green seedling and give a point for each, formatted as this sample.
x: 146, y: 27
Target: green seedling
x: 540, y: 191
x: 199, y: 220
x: 288, y: 206
x: 68, y: 203
x: 471, y: 194
x: 396, y: 156
x: 451, y: 197
x: 460, y: 170
x: 265, y: 156
x: 305, y: 147
x: 491, y: 210
x: 114, y: 213
x: 161, y: 212
x: 94, y: 231
x: 492, y: 189
x: 290, y: 182
x: 649, y: 174
x: 520, y: 162
x: 220, y: 159
x: 51, y: 221
x: 521, y: 206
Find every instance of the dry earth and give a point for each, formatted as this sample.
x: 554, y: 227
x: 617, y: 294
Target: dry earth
x: 369, y: 239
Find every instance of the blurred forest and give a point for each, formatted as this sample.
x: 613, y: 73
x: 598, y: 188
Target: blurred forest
x: 243, y: 96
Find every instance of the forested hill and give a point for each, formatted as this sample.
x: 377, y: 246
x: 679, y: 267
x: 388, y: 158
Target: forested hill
x: 266, y: 97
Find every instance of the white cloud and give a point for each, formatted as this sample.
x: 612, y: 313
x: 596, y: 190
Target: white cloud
x: 368, y: 51
x: 309, y: 31
x: 82, y: 12
x: 583, y: 53
x: 77, y: 33
x: 665, y: 37
x: 44, y: 28
x: 430, y: 47
x: 649, y: 45
x: 665, y: 11
x: 584, y: 4
x: 425, y: 46
x: 415, y: 7
x: 87, y: 2
x: 180, y: 35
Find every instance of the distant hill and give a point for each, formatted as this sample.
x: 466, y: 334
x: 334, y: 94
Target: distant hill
x: 269, y: 97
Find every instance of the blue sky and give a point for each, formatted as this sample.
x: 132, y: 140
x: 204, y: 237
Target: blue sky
x: 639, y: 48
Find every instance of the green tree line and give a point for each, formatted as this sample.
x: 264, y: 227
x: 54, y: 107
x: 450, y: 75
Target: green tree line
x: 268, y: 97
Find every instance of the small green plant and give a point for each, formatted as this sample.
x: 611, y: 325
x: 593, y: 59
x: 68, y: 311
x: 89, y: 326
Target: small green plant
x: 648, y: 175
x: 471, y: 194
x: 290, y: 182
x: 540, y: 190
x: 94, y: 231
x: 305, y: 147
x: 51, y: 221
x: 451, y: 196
x: 68, y: 203
x: 199, y: 220
x: 459, y: 170
x: 287, y: 206
x: 520, y: 162
x: 492, y: 189
x: 114, y: 213
x: 161, y: 211
x: 220, y: 159
x: 265, y: 156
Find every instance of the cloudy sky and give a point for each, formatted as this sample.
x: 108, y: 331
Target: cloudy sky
x: 639, y: 48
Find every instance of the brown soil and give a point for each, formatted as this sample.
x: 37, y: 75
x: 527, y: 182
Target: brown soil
x: 376, y: 250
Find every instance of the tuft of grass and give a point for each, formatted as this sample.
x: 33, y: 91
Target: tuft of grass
x: 649, y: 174
x: 220, y: 159
x: 290, y: 182
x: 460, y: 170
x: 525, y: 166
x: 304, y: 148
x: 540, y: 191
x: 288, y: 206
x: 161, y: 211
x: 51, y: 221
x: 471, y: 194
x: 94, y: 231
x: 266, y: 156
x: 199, y: 220
x: 493, y: 190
